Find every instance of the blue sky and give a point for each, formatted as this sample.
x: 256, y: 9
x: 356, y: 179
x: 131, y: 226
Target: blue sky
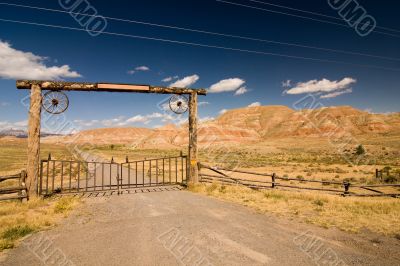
x: 114, y: 58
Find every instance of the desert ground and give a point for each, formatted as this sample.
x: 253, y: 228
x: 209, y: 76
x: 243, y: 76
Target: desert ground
x: 234, y: 224
x: 172, y: 227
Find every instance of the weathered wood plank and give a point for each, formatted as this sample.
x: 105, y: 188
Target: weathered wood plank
x: 193, y: 153
x: 9, y: 190
x: 4, y: 178
x: 34, y: 140
x: 105, y: 87
x: 13, y: 197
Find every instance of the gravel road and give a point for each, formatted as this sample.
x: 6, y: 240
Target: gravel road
x: 168, y: 226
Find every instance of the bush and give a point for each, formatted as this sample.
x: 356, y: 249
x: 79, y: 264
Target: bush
x: 360, y: 150
x: 222, y: 189
x: 17, y: 232
x: 64, y: 204
x: 390, y: 179
x: 319, y: 202
x: 212, y: 187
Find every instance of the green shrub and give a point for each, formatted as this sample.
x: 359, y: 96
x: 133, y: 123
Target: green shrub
x: 390, y: 179
x: 222, y: 189
x: 17, y: 232
x: 318, y: 202
x: 360, y: 150
x: 64, y: 205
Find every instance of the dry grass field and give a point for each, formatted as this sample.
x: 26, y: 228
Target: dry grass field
x: 20, y: 219
x: 310, y: 158
x: 380, y: 215
x: 13, y: 154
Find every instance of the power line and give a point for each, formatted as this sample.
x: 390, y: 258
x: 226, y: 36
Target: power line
x: 202, y: 45
x: 315, y: 13
x: 299, y: 16
x: 211, y: 33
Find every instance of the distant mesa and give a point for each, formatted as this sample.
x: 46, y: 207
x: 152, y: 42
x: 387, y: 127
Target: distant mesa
x: 13, y: 133
x: 250, y: 125
x: 19, y: 133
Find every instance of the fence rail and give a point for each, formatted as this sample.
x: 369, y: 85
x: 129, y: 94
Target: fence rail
x: 13, y: 191
x: 273, y: 181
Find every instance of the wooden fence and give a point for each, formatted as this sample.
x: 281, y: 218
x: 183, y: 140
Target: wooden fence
x: 14, y: 191
x: 273, y: 181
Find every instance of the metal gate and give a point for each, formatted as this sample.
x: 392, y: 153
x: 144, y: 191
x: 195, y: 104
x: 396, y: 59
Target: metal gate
x: 61, y: 176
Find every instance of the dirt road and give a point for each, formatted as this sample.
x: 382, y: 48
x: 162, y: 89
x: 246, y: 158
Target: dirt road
x: 181, y: 228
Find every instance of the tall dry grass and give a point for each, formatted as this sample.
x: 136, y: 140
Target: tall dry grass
x: 20, y: 219
x: 380, y: 215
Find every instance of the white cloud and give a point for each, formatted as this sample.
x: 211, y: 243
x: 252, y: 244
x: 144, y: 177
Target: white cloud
x: 287, y: 83
x: 84, y: 123
x: 241, y: 90
x: 169, y: 79
x: 256, y: 104
x: 20, y: 125
x: 4, y: 104
x: 206, y: 119
x: 226, y: 85
x: 203, y: 103
x: 335, y: 94
x: 123, y: 121
x: 112, y: 122
x: 15, y: 64
x: 324, y: 85
x: 137, y: 118
x: 142, y: 68
x: 223, y: 111
x: 185, y: 82
x: 137, y: 69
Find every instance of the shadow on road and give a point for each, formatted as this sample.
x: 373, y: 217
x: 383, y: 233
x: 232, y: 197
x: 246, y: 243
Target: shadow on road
x: 96, y: 194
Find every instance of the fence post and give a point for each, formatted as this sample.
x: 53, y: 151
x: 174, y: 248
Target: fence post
x: 193, y: 151
x: 346, y: 188
x: 23, y: 184
x: 273, y: 180
x: 118, y: 180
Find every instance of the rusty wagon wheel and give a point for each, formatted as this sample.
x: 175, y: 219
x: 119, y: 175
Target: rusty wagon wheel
x: 55, y: 102
x: 178, y: 104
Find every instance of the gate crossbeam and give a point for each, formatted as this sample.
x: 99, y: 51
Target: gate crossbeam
x: 105, y: 87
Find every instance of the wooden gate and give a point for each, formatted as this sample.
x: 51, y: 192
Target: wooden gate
x: 60, y: 176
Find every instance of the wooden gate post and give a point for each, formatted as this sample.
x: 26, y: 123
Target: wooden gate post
x: 34, y: 140
x: 193, y: 169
